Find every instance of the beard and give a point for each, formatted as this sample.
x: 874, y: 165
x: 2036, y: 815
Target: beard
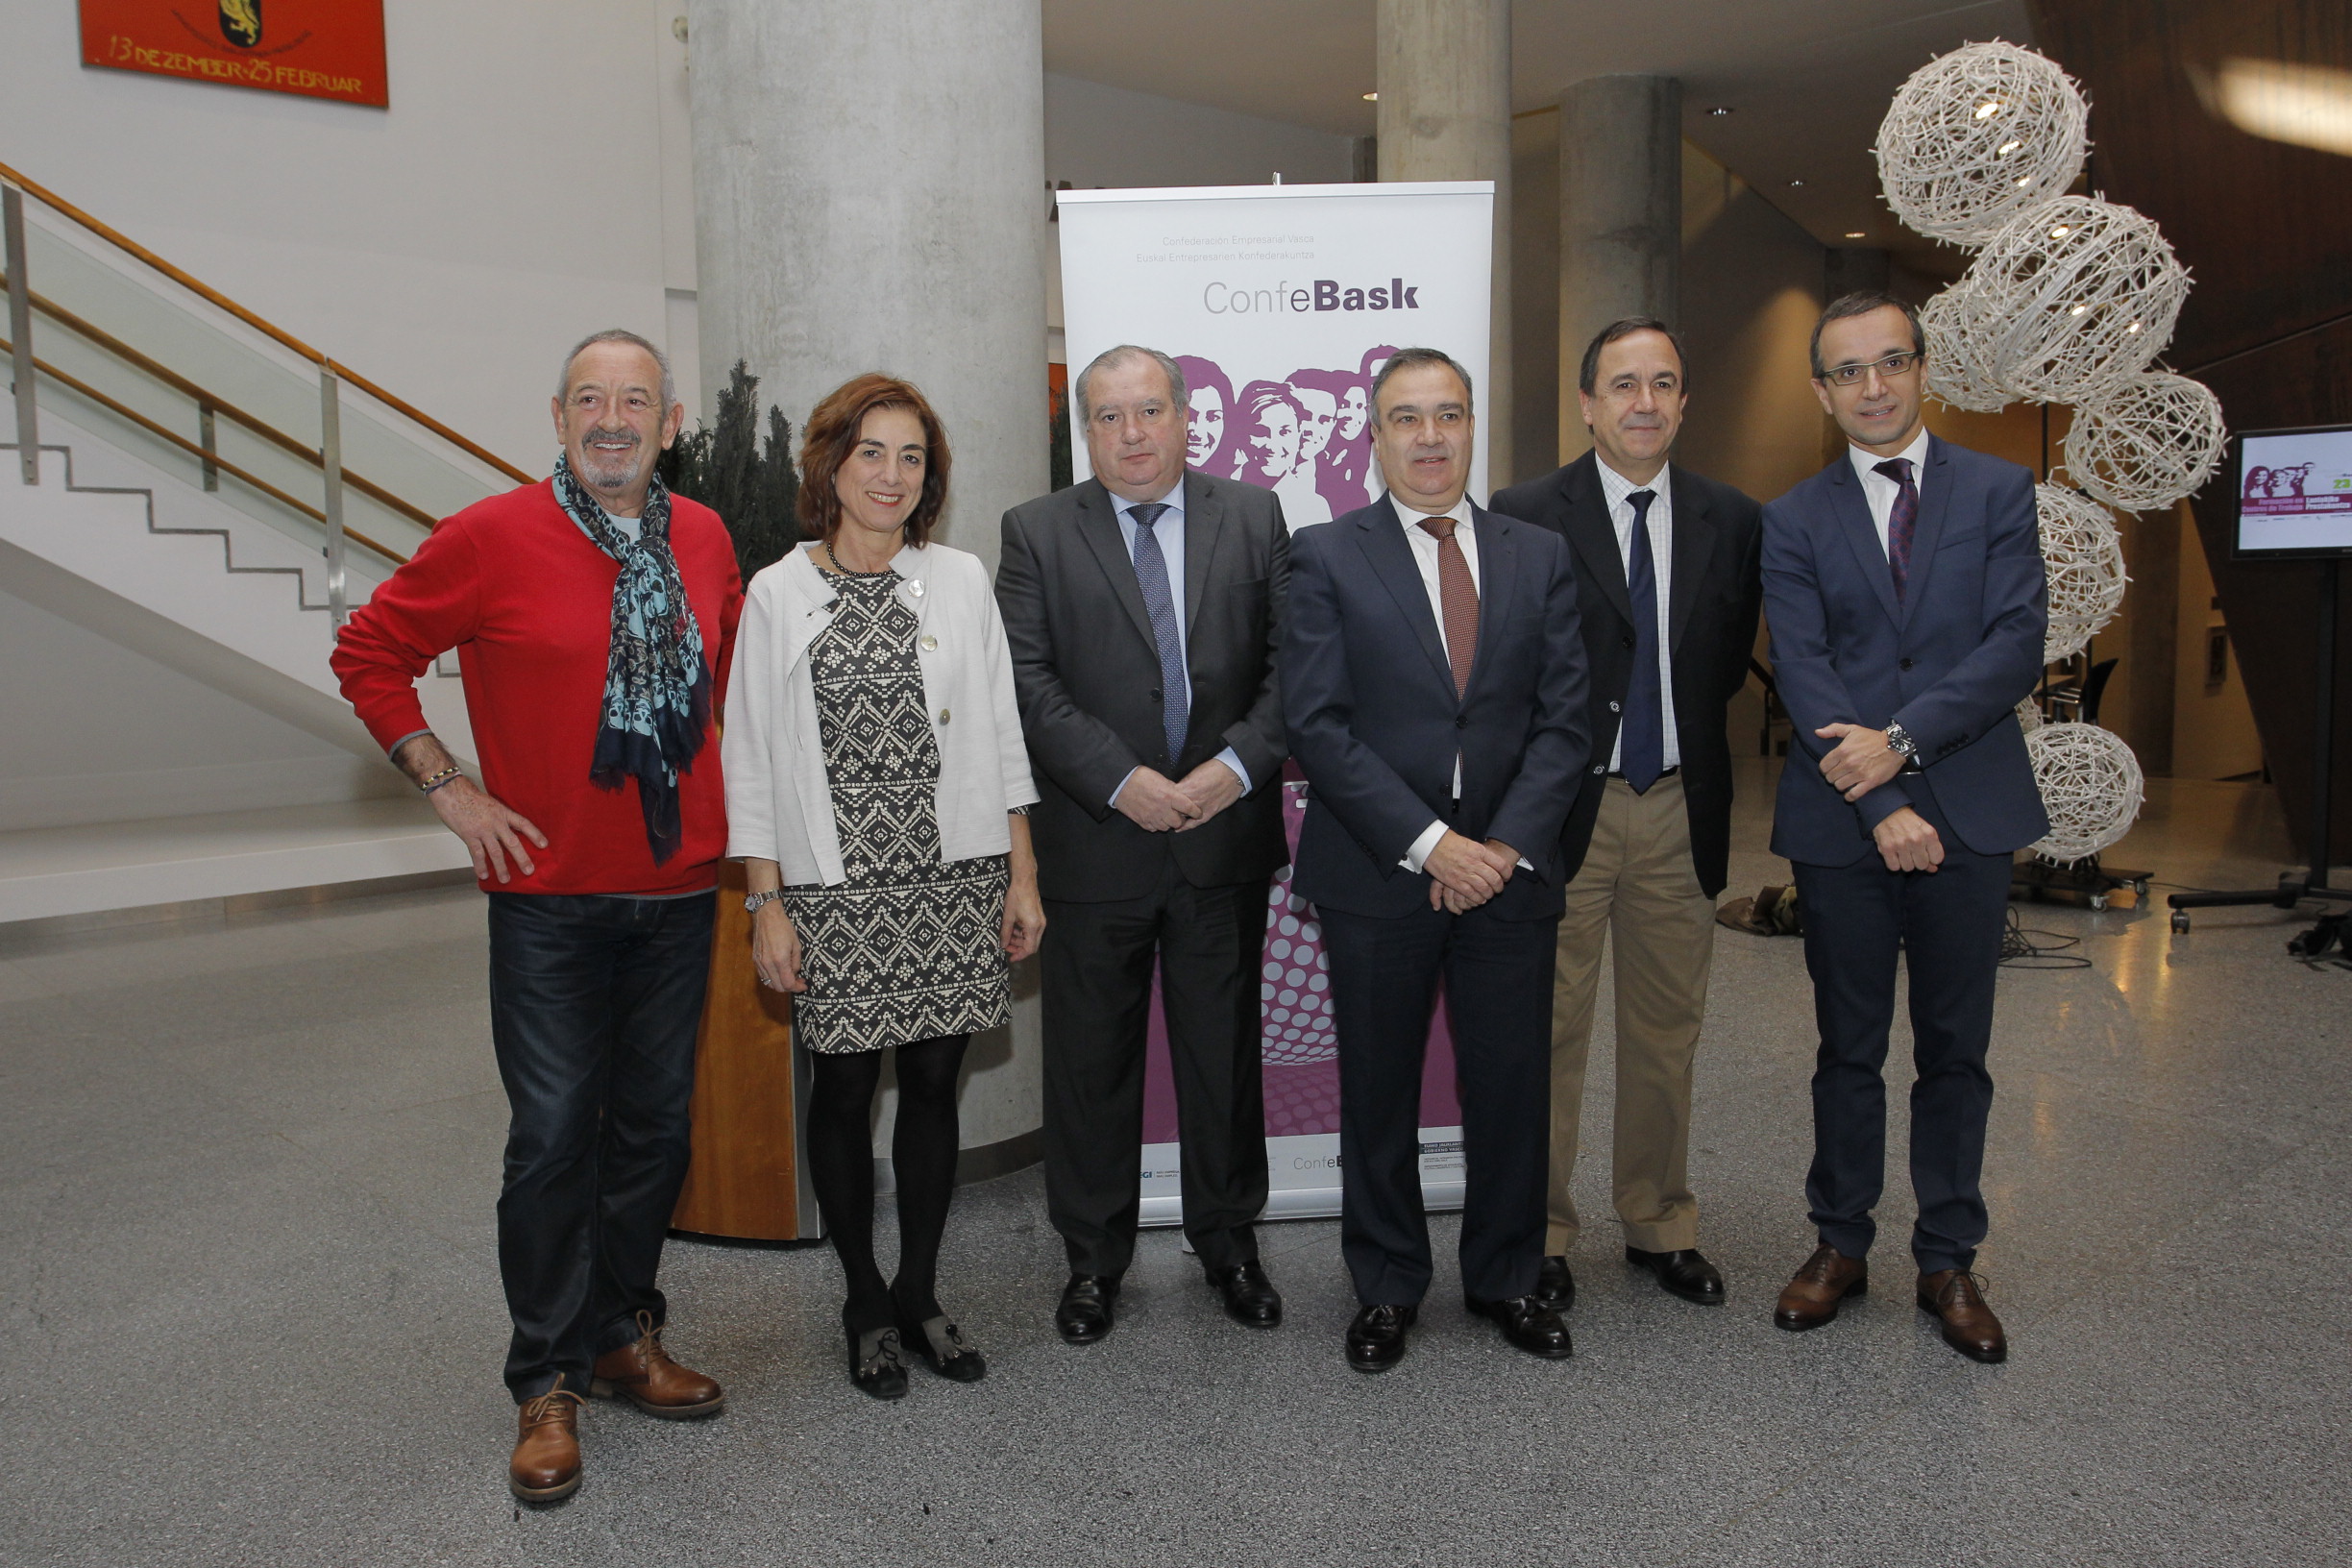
x: 610, y: 469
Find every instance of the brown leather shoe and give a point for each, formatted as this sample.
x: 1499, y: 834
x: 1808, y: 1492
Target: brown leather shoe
x: 1811, y: 1299
x: 546, y: 1467
x: 1954, y: 1298
x: 644, y: 1374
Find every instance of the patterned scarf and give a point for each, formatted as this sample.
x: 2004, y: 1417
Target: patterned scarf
x: 658, y: 687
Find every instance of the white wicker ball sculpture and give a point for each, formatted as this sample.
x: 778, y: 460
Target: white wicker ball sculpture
x: 1956, y: 371
x: 2083, y: 556
x: 1978, y: 136
x: 2148, y: 443
x: 2073, y: 298
x: 2091, y: 787
x: 2029, y: 715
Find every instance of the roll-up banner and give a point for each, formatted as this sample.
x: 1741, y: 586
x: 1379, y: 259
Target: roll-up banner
x: 1281, y: 303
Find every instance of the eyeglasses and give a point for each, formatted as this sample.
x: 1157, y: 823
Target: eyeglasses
x: 1892, y: 366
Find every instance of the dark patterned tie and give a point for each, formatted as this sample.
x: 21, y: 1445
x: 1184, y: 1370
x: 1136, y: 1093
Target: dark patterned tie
x: 1152, y: 576
x: 1901, y: 522
x: 1458, y: 595
x: 1642, y: 751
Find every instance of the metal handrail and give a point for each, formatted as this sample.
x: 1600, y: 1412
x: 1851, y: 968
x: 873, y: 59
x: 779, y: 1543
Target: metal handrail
x: 212, y: 296
x: 214, y: 401
x: 211, y: 458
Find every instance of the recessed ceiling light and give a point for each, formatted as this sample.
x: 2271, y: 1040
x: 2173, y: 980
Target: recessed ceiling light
x: 1795, y: 183
x: 1720, y: 110
x: 1855, y: 234
x: 1371, y: 97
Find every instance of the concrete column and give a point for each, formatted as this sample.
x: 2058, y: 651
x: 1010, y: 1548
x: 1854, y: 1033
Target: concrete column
x: 869, y: 195
x: 1620, y: 218
x: 1443, y: 68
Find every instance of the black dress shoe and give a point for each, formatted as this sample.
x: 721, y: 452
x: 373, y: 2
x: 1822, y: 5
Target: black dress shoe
x: 1555, y: 1285
x: 1376, y: 1340
x: 1085, y: 1314
x: 1528, y: 1324
x: 1250, y: 1297
x: 1685, y: 1273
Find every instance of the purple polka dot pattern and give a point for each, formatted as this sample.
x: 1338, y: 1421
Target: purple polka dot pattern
x: 1293, y: 979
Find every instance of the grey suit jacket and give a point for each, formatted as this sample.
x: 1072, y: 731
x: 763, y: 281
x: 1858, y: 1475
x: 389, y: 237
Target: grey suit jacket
x: 1086, y: 669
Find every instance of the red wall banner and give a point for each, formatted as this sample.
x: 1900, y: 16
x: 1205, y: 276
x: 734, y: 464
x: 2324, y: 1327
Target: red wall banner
x: 314, y: 48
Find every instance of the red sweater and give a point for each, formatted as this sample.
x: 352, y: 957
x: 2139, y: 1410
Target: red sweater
x: 518, y: 590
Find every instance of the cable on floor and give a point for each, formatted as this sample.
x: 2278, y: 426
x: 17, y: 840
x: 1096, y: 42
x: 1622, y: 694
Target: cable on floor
x: 2020, y: 951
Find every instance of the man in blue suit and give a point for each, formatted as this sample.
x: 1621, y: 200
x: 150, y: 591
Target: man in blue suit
x: 1903, y: 586
x: 1434, y: 686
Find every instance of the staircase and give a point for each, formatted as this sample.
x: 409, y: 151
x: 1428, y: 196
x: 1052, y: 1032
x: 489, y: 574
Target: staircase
x: 197, y: 486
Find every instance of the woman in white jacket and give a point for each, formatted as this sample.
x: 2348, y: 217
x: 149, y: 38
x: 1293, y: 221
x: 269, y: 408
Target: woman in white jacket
x: 876, y: 784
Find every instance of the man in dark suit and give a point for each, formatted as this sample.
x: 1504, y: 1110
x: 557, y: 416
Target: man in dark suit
x: 1667, y: 594
x: 1904, y: 585
x: 1142, y: 608
x: 1433, y: 683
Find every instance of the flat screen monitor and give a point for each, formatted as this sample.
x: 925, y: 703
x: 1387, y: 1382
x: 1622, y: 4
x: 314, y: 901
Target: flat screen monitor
x: 2294, y: 493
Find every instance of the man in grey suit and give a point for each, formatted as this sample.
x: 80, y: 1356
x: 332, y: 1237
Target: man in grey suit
x: 1144, y: 608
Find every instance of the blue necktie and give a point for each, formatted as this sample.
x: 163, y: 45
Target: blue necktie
x: 1902, y: 521
x: 1642, y: 750
x: 1152, y: 576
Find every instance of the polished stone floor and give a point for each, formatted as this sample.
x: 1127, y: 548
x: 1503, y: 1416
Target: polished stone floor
x: 246, y: 1177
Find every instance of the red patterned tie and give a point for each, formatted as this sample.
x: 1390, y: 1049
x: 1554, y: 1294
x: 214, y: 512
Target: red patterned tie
x: 1458, y: 595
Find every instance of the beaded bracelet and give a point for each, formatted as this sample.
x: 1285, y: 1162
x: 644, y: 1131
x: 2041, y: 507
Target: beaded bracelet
x: 446, y: 775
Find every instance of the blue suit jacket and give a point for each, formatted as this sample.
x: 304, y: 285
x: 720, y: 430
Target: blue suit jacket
x: 1949, y: 663
x: 1375, y: 723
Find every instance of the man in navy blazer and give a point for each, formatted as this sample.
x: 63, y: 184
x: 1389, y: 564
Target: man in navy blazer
x: 1433, y: 683
x: 1903, y: 586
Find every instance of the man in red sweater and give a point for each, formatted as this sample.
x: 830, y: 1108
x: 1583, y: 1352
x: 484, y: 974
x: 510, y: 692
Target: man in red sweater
x: 592, y: 615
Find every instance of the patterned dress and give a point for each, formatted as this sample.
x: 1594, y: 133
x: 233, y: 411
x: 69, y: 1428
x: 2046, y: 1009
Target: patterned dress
x: 904, y: 948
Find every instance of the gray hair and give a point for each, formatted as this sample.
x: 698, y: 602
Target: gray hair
x: 1118, y: 356
x: 1405, y: 360
x: 618, y: 334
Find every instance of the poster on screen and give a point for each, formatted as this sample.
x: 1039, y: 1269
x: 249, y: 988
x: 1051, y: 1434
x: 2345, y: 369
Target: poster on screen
x: 1279, y: 302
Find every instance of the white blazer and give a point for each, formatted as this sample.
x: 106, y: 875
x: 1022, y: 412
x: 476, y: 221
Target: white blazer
x: 779, y: 805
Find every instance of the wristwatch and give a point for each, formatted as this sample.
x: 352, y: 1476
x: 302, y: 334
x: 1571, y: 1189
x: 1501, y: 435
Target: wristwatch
x: 752, y: 905
x: 1900, y: 742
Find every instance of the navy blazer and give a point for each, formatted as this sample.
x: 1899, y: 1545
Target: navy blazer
x: 1375, y: 721
x: 1950, y: 662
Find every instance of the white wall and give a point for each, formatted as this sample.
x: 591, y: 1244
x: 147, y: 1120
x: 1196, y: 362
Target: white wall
x: 529, y: 184
x: 98, y: 733
x: 1112, y: 138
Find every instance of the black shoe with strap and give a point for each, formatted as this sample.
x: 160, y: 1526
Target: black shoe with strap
x: 943, y: 1347
x: 875, y: 1363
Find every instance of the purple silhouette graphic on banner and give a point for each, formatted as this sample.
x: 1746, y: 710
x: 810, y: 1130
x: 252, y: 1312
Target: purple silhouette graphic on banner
x: 1297, y: 1045
x: 1263, y: 433
x: 1343, y: 451
x: 1211, y: 391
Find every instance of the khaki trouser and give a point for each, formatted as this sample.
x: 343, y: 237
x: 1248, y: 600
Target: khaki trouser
x: 1638, y: 891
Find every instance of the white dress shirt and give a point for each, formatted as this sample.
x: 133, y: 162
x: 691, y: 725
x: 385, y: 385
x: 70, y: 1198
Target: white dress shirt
x: 1425, y: 556
x: 1879, y: 490
x: 1618, y: 490
x: 1170, y: 532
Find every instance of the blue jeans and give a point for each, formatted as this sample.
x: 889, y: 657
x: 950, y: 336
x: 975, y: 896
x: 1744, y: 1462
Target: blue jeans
x: 595, y: 1004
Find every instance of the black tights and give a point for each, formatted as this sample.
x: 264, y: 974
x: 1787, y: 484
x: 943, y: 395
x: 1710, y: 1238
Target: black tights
x: 923, y: 1154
